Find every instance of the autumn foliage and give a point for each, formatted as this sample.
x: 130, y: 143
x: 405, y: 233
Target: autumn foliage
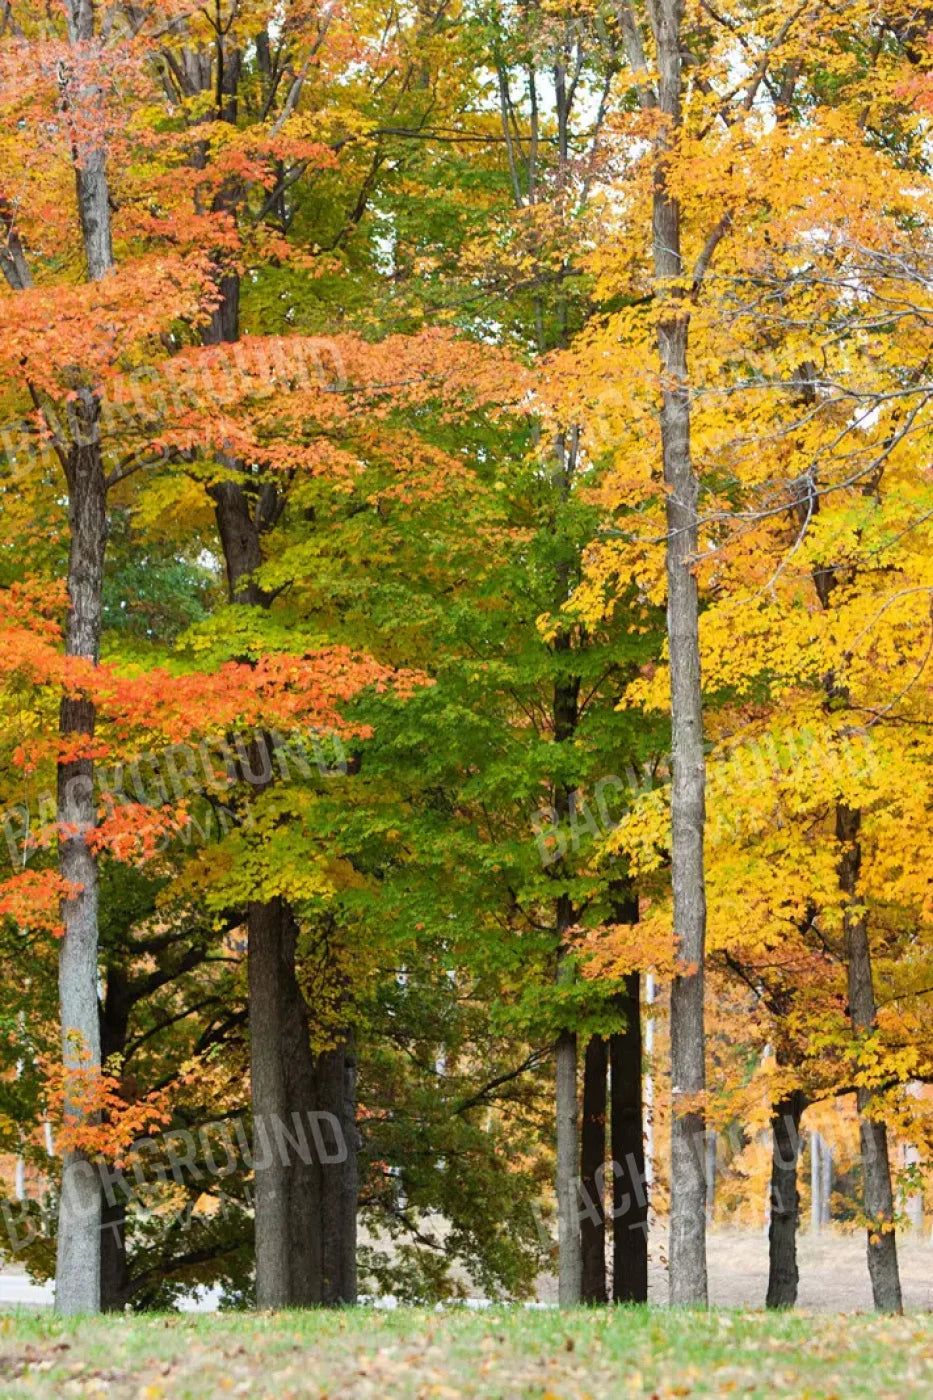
x: 375, y: 391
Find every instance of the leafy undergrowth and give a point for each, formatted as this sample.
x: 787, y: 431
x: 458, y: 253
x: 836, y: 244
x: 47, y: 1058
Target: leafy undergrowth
x: 499, y: 1354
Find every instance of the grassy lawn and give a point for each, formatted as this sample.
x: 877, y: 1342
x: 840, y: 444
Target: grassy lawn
x: 497, y: 1355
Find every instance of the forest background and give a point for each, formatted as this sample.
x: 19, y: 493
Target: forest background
x: 465, y: 612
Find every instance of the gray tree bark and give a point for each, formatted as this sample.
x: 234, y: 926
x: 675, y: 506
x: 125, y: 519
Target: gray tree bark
x: 77, y: 1271
x: 873, y: 1136
x: 311, y: 1191
x: 816, y: 1185
x: 569, y: 1240
x: 570, y: 1257
x: 688, y: 1283
x: 335, y: 1078
x: 13, y: 262
x: 91, y: 164
x: 273, y: 1172
x: 710, y: 1169
x: 592, y: 1171
x: 826, y: 1182
x: 305, y: 1151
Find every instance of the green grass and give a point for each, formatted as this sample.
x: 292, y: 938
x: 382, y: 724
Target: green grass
x: 500, y: 1354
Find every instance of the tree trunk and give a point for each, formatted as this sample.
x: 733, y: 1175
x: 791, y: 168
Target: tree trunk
x: 630, y: 1193
x: 783, y: 1275
x: 93, y: 206
x: 239, y: 525
x: 710, y: 1169
x: 288, y: 1246
x: 688, y: 1177
x: 566, y: 714
x: 225, y: 318
x: 876, y: 1170
x: 91, y: 160
x: 826, y: 1182
x: 114, y: 1269
x: 77, y: 1267
x: 351, y: 1179
x: 570, y: 1260
x: 77, y: 1273
x: 336, y: 1096
x: 816, y: 1185
x: 592, y: 1172
x: 305, y: 1136
x: 305, y: 1212
x: 267, y: 1015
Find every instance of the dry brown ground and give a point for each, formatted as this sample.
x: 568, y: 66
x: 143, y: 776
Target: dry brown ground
x: 833, y: 1271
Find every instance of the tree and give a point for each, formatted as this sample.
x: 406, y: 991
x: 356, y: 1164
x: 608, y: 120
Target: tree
x: 759, y: 443
x: 688, y: 1071
x: 78, y: 1269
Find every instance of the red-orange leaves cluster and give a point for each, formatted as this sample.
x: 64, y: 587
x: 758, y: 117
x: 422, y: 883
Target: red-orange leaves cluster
x: 278, y: 690
x: 58, y: 338
x: 33, y: 900
x: 91, y: 1111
